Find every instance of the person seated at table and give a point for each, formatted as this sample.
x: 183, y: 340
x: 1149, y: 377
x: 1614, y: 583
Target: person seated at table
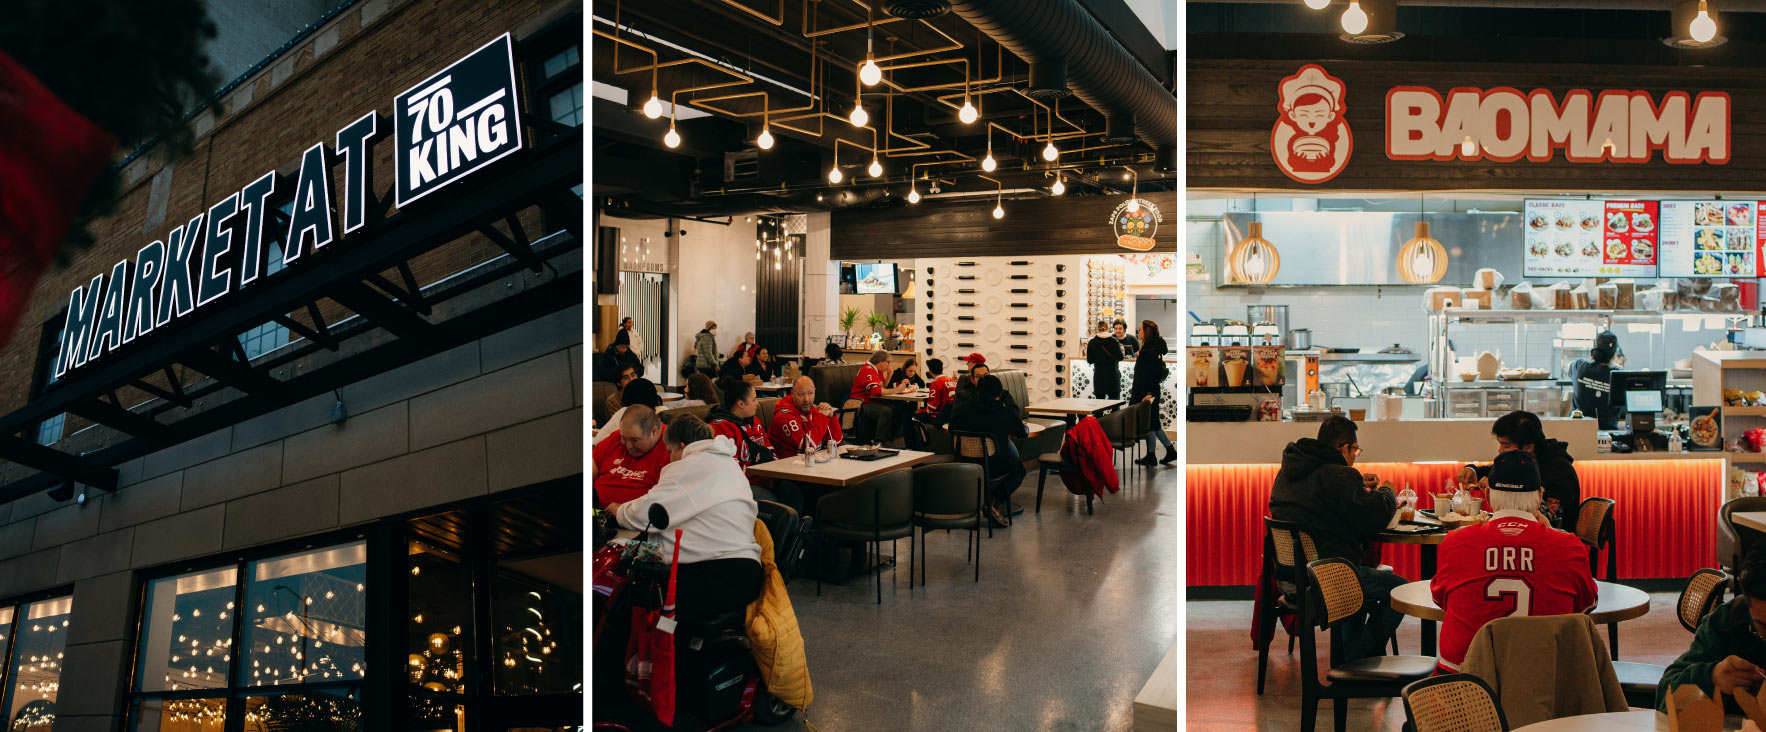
x: 764, y: 366
x: 639, y: 392
x: 1513, y: 564
x: 832, y: 355
x: 619, y: 355
x: 1563, y: 491
x: 1727, y: 654
x: 798, y: 421
x: 977, y: 369
x: 879, y: 420
x: 701, y: 390
x: 1104, y: 354
x: 626, y: 375
x: 986, y: 410
x: 939, y: 393
x: 1344, y: 511
x: 736, y: 366
x: 629, y: 463
x: 735, y: 417
x: 909, y: 373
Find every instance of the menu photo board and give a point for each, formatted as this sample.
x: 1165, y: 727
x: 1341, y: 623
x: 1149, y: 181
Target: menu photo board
x: 1711, y: 238
x: 1566, y: 238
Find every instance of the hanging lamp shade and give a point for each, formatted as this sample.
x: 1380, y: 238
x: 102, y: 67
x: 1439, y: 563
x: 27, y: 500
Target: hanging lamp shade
x: 1422, y: 260
x: 1253, y: 259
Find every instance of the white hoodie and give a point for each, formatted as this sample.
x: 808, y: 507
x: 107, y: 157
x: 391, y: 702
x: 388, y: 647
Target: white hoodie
x: 708, y: 499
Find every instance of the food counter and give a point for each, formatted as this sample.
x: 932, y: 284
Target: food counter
x: 1170, y: 391
x: 1665, y: 512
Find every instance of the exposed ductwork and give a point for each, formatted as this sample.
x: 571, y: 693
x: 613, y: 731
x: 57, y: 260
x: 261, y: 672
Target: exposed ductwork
x: 1099, y: 70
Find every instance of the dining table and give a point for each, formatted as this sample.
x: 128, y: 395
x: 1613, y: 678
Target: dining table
x: 840, y: 472
x: 1636, y: 720
x: 1071, y: 409
x: 1614, y: 603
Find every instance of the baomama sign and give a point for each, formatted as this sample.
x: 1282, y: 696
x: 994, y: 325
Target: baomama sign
x: 1311, y: 141
x: 452, y: 124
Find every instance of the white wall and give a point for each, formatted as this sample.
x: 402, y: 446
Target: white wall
x: 821, y: 284
x: 715, y: 281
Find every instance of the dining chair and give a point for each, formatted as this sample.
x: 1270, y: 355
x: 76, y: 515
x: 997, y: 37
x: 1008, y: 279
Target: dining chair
x: 1594, y: 526
x: 874, y: 510
x: 1452, y: 703
x: 1334, y: 596
x: 1702, y: 594
x: 947, y: 496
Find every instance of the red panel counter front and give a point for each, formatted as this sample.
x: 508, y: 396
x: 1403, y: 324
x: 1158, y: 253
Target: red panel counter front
x: 1665, y: 514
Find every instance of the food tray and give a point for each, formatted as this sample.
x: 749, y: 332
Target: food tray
x: 869, y: 456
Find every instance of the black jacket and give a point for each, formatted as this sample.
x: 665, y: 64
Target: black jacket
x: 764, y: 371
x: 901, y: 375
x: 612, y: 361
x: 1149, y: 371
x: 1103, y: 353
x: 1593, y: 394
x: 1727, y: 631
x: 1557, y: 474
x: 1318, y: 490
x: 971, y: 412
x: 1130, y: 345
x: 732, y: 368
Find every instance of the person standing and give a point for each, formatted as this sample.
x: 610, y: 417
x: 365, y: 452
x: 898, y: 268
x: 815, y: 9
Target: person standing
x: 1119, y: 330
x: 705, y: 348
x: 631, y: 328
x: 1343, y: 510
x: 1593, y: 377
x: 1557, y: 472
x: 1149, y: 373
x: 1104, y: 354
x: 619, y: 356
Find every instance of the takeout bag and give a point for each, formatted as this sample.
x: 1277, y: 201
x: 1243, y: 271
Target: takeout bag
x: 650, y: 654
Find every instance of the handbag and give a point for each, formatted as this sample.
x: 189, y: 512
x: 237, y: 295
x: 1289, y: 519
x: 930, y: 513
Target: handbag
x: 650, y: 653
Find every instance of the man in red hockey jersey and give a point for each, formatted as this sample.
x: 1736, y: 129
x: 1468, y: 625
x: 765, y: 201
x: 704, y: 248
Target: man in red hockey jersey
x: 880, y: 420
x: 628, y: 464
x: 799, y: 420
x: 940, y: 392
x: 1513, y: 565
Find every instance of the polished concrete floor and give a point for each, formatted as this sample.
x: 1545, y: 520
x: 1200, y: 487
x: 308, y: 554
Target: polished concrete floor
x: 1221, y: 682
x: 1071, y: 616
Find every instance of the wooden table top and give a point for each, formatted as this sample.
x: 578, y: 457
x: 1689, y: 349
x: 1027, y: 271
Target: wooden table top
x: 841, y: 471
x: 1752, y: 519
x: 772, y: 386
x: 1075, y: 406
x: 1615, y: 603
x: 669, y: 396
x: 912, y: 396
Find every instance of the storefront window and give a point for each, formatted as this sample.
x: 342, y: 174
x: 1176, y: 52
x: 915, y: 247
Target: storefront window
x: 567, y: 106
x: 329, y: 710
x: 187, y: 632
x: 536, y: 645
x: 33, y: 679
x: 182, y: 715
x: 439, y: 650
x: 305, y: 617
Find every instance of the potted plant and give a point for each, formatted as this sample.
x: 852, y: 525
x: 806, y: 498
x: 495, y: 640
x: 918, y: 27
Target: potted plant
x: 889, y: 325
x: 848, y: 318
x: 876, y: 321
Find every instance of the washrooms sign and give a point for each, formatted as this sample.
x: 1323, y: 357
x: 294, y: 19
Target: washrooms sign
x: 457, y: 121
x: 451, y: 125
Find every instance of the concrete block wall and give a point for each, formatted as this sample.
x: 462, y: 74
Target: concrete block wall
x: 496, y: 414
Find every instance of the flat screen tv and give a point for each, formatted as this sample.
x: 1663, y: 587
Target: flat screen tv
x: 874, y: 279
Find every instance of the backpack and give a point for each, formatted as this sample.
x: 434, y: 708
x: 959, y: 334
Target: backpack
x: 690, y: 366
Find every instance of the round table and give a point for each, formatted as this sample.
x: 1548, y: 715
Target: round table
x: 1632, y: 721
x: 1033, y: 429
x: 669, y: 396
x: 1614, y: 604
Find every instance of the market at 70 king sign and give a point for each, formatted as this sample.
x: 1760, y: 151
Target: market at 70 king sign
x: 450, y: 125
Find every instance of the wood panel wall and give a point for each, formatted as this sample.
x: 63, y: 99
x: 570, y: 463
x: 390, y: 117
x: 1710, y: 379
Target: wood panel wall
x: 1231, y: 108
x: 1048, y: 226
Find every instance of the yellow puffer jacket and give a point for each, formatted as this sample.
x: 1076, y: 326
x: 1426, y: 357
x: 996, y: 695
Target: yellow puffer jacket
x: 773, y: 633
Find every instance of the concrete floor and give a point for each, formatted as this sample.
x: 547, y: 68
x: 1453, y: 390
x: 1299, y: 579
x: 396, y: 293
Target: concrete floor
x: 1071, y: 616
x: 1221, y: 682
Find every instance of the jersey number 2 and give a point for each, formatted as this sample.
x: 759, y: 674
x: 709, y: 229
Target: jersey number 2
x: 1510, y: 586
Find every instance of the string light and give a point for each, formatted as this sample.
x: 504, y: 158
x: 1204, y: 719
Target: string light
x: 765, y: 141
x: 876, y: 169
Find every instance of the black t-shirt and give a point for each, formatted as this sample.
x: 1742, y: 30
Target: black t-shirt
x: 1594, y: 391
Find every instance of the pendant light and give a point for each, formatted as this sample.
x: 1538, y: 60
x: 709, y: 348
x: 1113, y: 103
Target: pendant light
x: 1422, y: 260
x: 913, y: 194
x: 1059, y: 187
x: 1050, y: 152
x: 999, y: 211
x: 859, y: 116
x: 653, y: 108
x: 968, y: 114
x: 1253, y: 260
x: 672, y: 139
x: 876, y: 168
x: 1134, y: 199
x: 1702, y: 28
x: 988, y: 163
x: 999, y: 197
x: 1354, y: 19
x: 765, y: 140
x: 834, y: 174
x: 869, y: 74
x: 1318, y: 4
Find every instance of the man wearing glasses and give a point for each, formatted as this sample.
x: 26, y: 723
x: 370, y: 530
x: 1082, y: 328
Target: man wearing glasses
x: 1343, y: 510
x: 1728, y: 654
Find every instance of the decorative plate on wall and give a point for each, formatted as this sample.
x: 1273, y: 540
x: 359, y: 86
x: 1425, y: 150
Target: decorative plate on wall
x: 991, y: 333
x: 992, y: 277
x: 1044, y: 327
x: 943, y: 307
x: 1045, y: 384
x: 1045, y: 308
x: 992, y: 306
x: 1045, y: 346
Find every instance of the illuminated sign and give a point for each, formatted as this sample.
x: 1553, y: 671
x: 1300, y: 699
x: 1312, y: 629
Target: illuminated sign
x: 1134, y: 222
x: 447, y: 127
x: 1505, y: 125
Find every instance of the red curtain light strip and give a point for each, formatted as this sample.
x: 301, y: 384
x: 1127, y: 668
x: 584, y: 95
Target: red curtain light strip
x: 1664, y: 516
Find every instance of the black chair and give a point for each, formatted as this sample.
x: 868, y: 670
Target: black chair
x: 1733, y: 541
x: 1054, y: 461
x: 947, y: 496
x: 978, y: 448
x: 1333, y: 595
x: 1594, y: 526
x: 1119, y: 430
x: 871, y: 512
x: 1703, y: 593
x: 787, y: 532
x: 1286, y: 550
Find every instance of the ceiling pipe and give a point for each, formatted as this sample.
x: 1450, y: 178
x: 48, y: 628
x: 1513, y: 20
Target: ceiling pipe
x: 1100, y: 71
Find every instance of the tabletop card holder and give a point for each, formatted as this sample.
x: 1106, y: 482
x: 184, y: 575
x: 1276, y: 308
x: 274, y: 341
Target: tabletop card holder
x: 1689, y: 710
x: 1754, y: 706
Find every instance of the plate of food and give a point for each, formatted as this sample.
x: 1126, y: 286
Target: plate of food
x: 1741, y: 214
x: 1591, y: 249
x: 1616, y: 249
x: 1618, y: 222
x: 1564, y: 249
x: 1590, y: 222
x: 1643, y: 249
x: 1705, y: 429
x: 1707, y: 214
x: 1537, y: 222
x: 1740, y: 264
x: 1642, y: 222
x: 1708, y: 240
x: 1707, y: 263
x: 1538, y: 248
x: 1740, y: 239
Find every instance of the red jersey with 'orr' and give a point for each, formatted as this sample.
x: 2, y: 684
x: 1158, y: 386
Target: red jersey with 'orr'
x: 1508, y: 567
x: 619, y: 477
x: 939, y: 394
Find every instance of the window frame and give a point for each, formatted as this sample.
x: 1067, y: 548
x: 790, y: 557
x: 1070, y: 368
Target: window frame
x: 234, y: 693
x: 18, y: 604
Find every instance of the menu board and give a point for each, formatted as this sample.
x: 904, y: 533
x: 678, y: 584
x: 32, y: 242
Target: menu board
x: 1712, y: 238
x: 1590, y: 238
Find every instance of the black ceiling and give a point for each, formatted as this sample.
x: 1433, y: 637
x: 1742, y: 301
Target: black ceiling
x: 635, y: 174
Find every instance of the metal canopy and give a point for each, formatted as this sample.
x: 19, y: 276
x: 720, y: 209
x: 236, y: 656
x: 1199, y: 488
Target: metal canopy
x: 348, y: 273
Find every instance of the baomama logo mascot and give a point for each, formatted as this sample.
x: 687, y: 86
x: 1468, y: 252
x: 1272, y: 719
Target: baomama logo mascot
x: 1311, y: 142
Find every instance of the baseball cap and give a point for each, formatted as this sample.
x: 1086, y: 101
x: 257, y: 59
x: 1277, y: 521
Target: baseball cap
x: 1515, y: 471
x: 975, y: 359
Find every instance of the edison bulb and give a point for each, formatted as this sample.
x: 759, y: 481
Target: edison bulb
x: 834, y: 175
x: 1354, y: 19
x: 1703, y: 28
x: 988, y: 163
x: 869, y: 73
x: 913, y: 195
x: 653, y: 108
x: 672, y: 139
x: 859, y: 116
x: 1318, y: 4
x: 968, y: 114
x: 998, y: 213
x: 1467, y: 147
x: 876, y: 168
x: 1058, y: 188
x: 765, y: 141
x: 1051, y: 152
x: 1134, y: 205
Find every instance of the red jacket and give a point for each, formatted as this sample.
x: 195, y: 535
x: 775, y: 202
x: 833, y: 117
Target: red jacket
x: 621, y: 478
x: 1087, y: 447
x: 868, y: 384
x: 939, y: 394
x: 791, y: 426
